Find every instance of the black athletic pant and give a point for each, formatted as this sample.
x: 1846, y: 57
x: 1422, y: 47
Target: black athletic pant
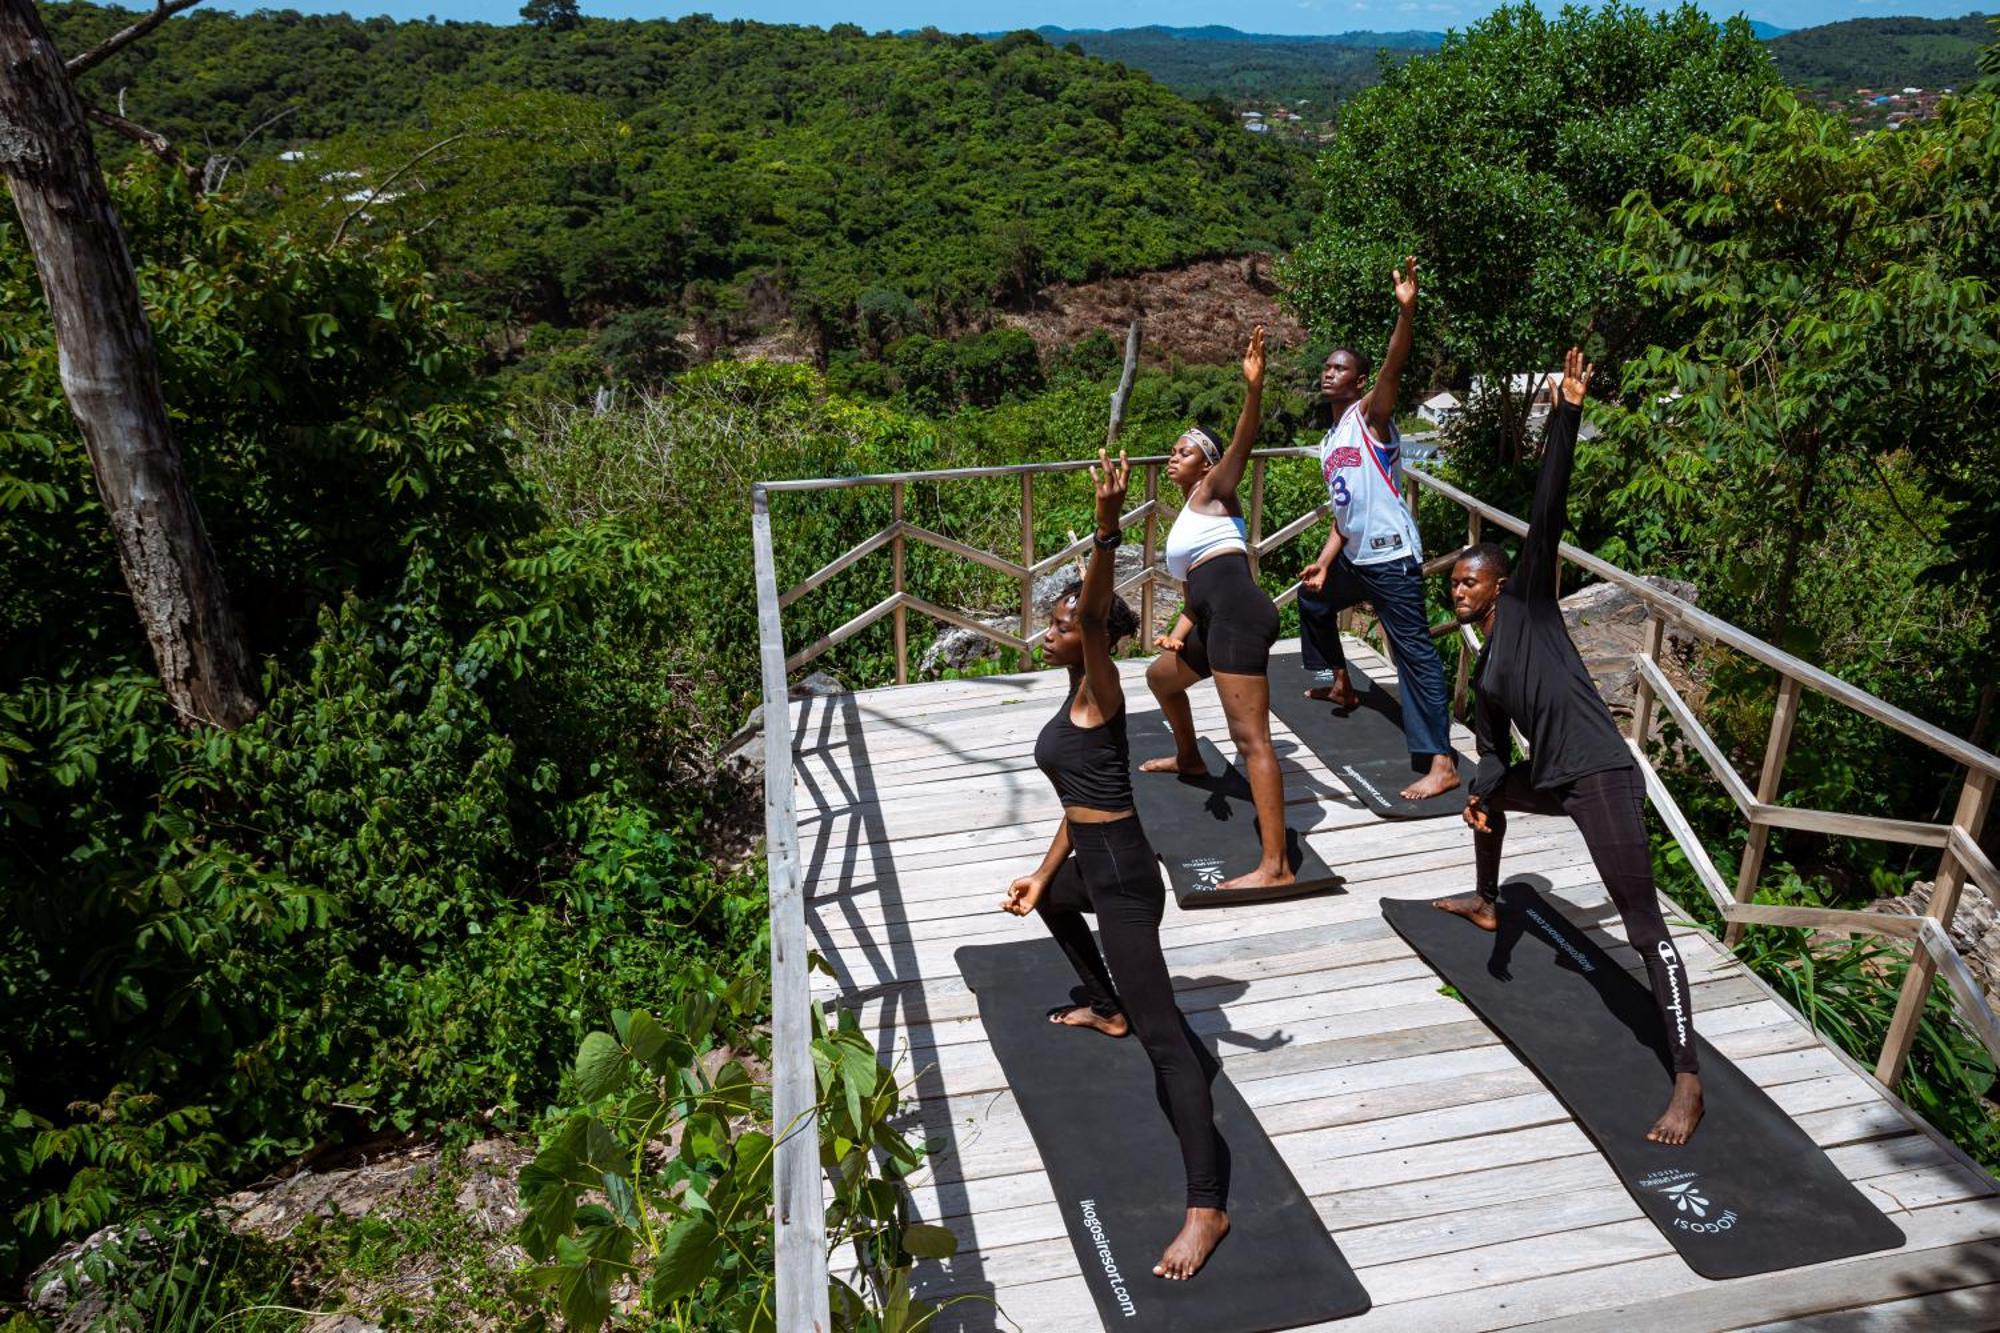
x: 1609, y: 810
x: 1112, y: 872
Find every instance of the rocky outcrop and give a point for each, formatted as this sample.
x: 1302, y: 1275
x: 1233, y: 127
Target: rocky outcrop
x: 956, y: 649
x: 1608, y: 625
x: 1974, y: 930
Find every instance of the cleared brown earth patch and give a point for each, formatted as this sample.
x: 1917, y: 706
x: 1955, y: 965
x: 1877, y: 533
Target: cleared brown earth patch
x: 1196, y: 313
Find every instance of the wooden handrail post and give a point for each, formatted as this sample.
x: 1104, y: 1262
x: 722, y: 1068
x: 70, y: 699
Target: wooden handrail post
x: 1642, y: 698
x: 1147, y: 557
x: 1975, y: 802
x: 902, y: 614
x: 1027, y: 559
x: 797, y: 1186
x: 1474, y: 525
x: 1784, y: 713
x: 1152, y: 532
x: 1256, y: 515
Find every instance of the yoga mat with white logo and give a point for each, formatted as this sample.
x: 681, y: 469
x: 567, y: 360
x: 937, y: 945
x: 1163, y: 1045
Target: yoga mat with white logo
x: 1205, y: 829
x: 1365, y: 747
x: 1114, y: 1167
x: 1750, y: 1193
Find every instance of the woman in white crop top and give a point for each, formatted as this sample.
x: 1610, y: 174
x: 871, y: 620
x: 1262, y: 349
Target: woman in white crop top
x: 1228, y: 625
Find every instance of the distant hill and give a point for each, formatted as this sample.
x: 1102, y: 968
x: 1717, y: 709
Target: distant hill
x: 1885, y: 53
x: 1242, y: 67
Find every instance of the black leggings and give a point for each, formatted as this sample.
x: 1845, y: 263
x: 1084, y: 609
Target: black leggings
x: 1111, y: 871
x: 1609, y: 810
x: 1235, y: 621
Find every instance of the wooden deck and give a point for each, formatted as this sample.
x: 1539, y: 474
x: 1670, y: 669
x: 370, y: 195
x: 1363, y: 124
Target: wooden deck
x: 1455, y: 1184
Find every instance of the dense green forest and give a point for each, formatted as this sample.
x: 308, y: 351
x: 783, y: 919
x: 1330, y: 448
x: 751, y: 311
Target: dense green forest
x: 716, y: 175
x: 478, y: 869
x: 1885, y: 54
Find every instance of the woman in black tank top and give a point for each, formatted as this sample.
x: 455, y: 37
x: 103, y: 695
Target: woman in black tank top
x: 1101, y: 863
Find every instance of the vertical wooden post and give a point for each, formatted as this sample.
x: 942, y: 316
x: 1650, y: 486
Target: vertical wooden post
x: 1975, y: 801
x: 1256, y: 514
x: 1464, y: 673
x: 1642, y: 696
x: 1146, y: 629
x: 1783, y: 714
x: 902, y: 613
x: 798, y: 1197
x: 1027, y: 558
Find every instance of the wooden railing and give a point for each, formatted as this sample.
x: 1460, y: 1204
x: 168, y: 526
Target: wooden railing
x: 800, y: 1226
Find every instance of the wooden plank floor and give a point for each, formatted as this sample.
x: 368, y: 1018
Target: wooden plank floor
x: 1456, y: 1185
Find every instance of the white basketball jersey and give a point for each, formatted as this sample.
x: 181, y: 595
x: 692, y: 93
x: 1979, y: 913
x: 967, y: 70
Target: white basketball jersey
x: 1364, y: 479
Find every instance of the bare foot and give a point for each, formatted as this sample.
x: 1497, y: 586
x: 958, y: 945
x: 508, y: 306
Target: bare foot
x: 1676, y: 1124
x: 1441, y: 779
x: 1083, y: 1016
x: 1472, y: 907
x: 1263, y: 877
x: 1187, y: 1252
x: 1193, y: 768
x: 1340, y: 694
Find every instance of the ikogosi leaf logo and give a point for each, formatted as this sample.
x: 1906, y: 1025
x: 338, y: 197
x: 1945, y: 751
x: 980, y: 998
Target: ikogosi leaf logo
x: 1688, y: 1199
x: 1207, y: 871
x: 1695, y: 1208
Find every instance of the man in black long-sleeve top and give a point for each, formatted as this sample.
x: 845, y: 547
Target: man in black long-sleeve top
x: 1529, y: 676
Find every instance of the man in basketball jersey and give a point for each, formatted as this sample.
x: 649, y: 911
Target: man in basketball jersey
x: 1373, y: 554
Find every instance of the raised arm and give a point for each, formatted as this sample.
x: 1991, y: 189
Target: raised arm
x: 1379, y: 407
x: 1535, y: 575
x: 1223, y: 479
x: 1093, y: 604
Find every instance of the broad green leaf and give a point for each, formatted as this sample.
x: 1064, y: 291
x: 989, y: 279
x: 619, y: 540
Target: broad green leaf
x: 684, y: 1260
x: 600, y: 1066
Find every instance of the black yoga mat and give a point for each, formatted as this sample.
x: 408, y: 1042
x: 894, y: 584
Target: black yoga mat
x: 1365, y: 747
x: 1205, y: 829
x: 1115, y: 1167
x: 1749, y: 1193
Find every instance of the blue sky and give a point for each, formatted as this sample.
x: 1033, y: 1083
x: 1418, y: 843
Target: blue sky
x: 1285, y: 16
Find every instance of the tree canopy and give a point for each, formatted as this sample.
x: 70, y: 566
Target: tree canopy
x: 1497, y: 161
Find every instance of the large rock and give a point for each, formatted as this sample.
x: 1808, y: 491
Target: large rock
x: 1608, y: 625
x: 1974, y: 930
x: 956, y: 649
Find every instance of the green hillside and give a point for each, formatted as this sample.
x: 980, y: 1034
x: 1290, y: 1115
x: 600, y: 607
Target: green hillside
x: 1884, y: 53
x: 719, y: 173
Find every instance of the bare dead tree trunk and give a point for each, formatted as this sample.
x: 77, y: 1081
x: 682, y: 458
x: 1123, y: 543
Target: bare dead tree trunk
x: 1124, y: 390
x: 105, y: 352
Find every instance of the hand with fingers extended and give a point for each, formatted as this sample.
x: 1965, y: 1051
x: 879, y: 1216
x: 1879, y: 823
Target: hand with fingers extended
x: 1404, y: 282
x: 1253, y: 359
x: 1110, y: 481
x: 1024, y: 894
x: 1169, y: 643
x: 1577, y: 374
x: 1313, y: 577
